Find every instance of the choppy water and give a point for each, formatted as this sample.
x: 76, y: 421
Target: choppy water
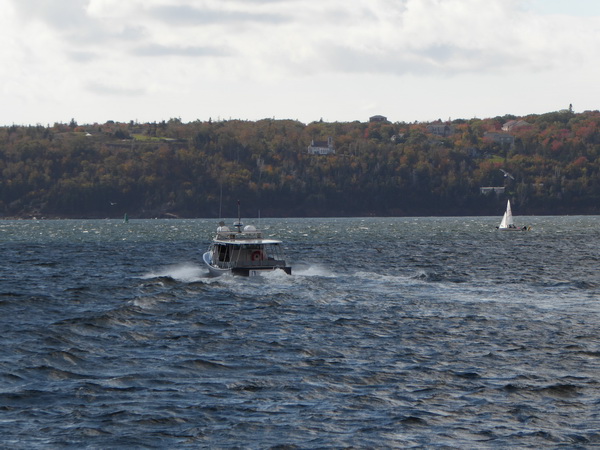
x: 412, y: 332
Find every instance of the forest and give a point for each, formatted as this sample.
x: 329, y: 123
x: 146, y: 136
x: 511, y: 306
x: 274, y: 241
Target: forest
x: 546, y: 164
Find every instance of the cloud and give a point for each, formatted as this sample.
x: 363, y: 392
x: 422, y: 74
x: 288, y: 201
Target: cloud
x: 61, y: 15
x: 441, y: 37
x: 302, y: 37
x: 188, y: 15
x: 113, y: 47
x: 195, y: 51
x: 436, y: 59
x: 82, y: 56
x: 113, y: 90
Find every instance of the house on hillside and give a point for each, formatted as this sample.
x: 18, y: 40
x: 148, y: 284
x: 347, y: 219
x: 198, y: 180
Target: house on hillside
x: 440, y: 129
x: 513, y: 125
x: 321, y: 147
x: 499, y: 138
x: 378, y: 118
x: 492, y: 189
x: 397, y: 138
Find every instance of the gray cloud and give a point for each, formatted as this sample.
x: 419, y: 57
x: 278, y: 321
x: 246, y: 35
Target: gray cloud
x: 105, y: 89
x: 261, y: 2
x: 69, y: 18
x: 195, y: 51
x: 188, y: 15
x: 60, y: 14
x: 82, y: 56
x: 435, y: 59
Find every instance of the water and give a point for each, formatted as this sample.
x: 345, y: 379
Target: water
x: 395, y: 332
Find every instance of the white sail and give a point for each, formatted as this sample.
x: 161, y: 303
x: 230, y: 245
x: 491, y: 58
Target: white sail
x: 507, y: 219
x: 503, y: 223
x: 507, y: 223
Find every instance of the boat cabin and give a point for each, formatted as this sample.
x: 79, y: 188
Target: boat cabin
x: 244, y: 251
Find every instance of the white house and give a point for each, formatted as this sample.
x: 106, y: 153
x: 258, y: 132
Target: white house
x: 321, y: 147
x: 513, y: 125
x: 492, y: 189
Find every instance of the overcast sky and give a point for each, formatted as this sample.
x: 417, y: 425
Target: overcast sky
x: 336, y: 60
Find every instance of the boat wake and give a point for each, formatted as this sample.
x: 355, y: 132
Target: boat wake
x: 193, y: 273
x: 313, y: 270
x: 186, y: 272
x: 433, y: 276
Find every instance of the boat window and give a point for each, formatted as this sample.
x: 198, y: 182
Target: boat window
x: 273, y: 251
x: 223, y: 253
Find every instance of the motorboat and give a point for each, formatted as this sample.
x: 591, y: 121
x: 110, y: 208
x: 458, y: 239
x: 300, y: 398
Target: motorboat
x: 507, y: 223
x: 242, y: 250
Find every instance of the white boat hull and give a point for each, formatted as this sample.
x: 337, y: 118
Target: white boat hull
x: 214, y: 271
x: 507, y: 223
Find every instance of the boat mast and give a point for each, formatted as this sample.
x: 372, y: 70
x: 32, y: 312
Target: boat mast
x: 239, y: 221
x: 221, y: 200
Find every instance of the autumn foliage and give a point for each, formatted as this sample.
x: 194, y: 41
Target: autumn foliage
x: 197, y: 169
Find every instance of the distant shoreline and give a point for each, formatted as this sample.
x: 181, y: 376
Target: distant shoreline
x: 49, y: 218
x: 544, y: 164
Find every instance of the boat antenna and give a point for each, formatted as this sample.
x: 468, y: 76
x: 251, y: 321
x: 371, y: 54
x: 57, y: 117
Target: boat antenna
x: 221, y: 200
x: 239, y: 221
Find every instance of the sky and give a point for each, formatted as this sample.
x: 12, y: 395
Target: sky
x: 306, y: 60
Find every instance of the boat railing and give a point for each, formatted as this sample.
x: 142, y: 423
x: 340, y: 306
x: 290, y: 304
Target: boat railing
x: 234, y: 235
x: 262, y: 263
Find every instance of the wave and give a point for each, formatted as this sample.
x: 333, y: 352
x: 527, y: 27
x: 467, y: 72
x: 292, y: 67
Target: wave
x: 568, y: 284
x: 202, y: 364
x: 185, y: 272
x: 442, y: 276
x: 312, y: 270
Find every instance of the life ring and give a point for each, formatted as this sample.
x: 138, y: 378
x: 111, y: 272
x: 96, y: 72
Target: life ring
x: 258, y: 255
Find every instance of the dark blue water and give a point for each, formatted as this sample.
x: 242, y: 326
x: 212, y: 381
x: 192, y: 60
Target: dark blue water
x: 426, y: 332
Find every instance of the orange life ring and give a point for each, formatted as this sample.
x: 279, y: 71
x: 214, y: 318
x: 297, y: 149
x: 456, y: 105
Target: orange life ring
x: 258, y: 255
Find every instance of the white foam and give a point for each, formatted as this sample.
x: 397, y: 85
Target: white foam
x: 186, y: 272
x: 313, y: 270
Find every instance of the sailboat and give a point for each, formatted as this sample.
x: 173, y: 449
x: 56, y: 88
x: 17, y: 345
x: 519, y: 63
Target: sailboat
x: 507, y: 223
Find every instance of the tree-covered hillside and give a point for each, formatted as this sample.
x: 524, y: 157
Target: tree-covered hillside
x: 548, y: 164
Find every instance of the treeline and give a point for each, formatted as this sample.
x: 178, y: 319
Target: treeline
x: 549, y: 164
